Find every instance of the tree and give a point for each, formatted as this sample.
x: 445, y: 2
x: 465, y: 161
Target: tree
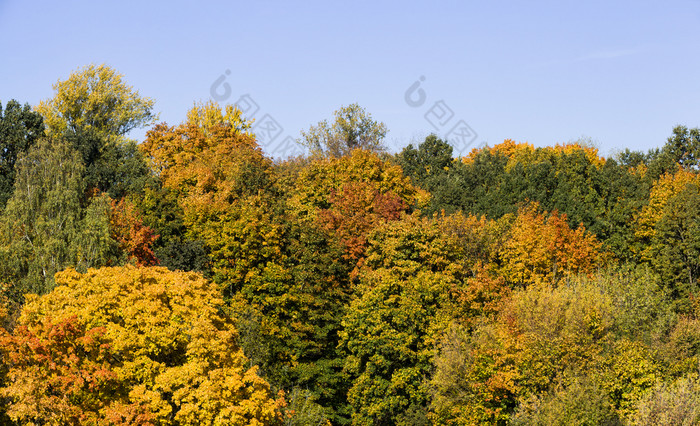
x: 667, y: 230
x: 20, y: 127
x: 574, y: 350
x: 133, y: 238
x: 353, y: 128
x: 581, y: 403
x: 676, y: 403
x: 405, y: 300
x: 623, y: 191
x: 282, y: 276
x: 355, y: 210
x: 542, y: 248
x: 323, y: 177
x: 224, y: 185
x: 131, y: 346
x: 433, y: 157
x: 684, y: 147
x: 475, y: 377
x: 289, y: 316
x: 677, y: 243
x: 94, y: 109
x: 95, y: 100
x: 432, y: 168
x: 388, y: 334
x: 47, y: 225
x: 42, y: 219
x: 350, y: 195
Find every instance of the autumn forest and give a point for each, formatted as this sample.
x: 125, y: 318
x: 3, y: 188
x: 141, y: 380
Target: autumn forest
x: 190, y: 278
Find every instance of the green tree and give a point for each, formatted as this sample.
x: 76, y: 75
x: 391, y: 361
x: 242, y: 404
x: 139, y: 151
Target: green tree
x: 677, y: 243
x: 405, y: 301
x: 42, y: 219
x: 353, y: 128
x: 432, y: 158
x: 684, y: 147
x: 432, y: 168
x: 387, y: 334
x: 623, y: 191
x: 95, y: 110
x: 20, y: 127
x: 667, y: 233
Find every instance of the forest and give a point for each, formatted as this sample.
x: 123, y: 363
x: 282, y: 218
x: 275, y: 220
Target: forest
x: 190, y: 278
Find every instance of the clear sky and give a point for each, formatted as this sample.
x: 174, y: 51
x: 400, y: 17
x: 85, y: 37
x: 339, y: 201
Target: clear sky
x: 621, y: 73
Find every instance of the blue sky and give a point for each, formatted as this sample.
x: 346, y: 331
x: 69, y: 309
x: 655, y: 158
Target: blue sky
x: 620, y: 73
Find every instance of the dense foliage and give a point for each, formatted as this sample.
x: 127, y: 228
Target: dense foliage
x: 191, y: 279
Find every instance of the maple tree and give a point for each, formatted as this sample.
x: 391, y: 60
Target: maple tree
x: 222, y: 182
x: 131, y: 346
x: 133, y: 237
x: 543, y: 249
x: 351, y: 195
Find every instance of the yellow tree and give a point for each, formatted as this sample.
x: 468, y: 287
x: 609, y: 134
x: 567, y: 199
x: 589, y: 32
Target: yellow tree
x: 542, y: 248
x: 95, y: 99
x: 281, y: 277
x: 131, y: 346
x: 665, y: 188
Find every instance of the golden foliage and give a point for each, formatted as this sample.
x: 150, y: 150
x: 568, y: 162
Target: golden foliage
x: 542, y: 248
x: 526, y: 153
x: 131, y: 346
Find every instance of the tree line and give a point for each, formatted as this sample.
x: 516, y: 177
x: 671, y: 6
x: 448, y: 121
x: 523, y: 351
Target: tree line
x: 192, y: 279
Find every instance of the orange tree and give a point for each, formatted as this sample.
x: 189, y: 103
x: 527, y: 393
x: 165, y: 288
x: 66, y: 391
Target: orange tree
x: 131, y: 346
x: 542, y: 248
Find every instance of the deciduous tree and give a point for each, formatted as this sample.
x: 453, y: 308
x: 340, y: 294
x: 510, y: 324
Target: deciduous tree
x: 20, y: 127
x: 95, y: 100
x: 131, y: 346
x: 353, y: 128
x: 542, y: 248
x: 42, y: 219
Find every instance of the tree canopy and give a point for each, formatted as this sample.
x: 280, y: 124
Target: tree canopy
x: 131, y: 346
x: 352, y: 128
x: 191, y: 278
